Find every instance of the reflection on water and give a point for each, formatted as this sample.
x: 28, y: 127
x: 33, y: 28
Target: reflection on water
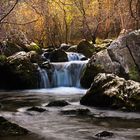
x: 53, y: 125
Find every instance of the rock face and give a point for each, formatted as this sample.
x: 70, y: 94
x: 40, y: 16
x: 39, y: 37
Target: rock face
x: 85, y: 48
x: 126, y: 51
x: 109, y: 90
x: 18, y: 72
x: 122, y: 58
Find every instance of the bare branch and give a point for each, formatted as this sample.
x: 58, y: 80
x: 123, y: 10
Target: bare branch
x: 30, y: 22
x: 9, y: 11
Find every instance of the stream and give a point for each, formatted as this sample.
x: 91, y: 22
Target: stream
x: 53, y: 125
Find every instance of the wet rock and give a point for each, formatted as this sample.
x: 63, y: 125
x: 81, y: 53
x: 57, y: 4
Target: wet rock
x: 58, y: 56
x: 85, y: 48
x: 104, y: 134
x: 58, y: 103
x: 73, y: 110
x: 37, y: 109
x: 10, y: 129
x: 64, y: 46
x: 46, y: 65
x: 111, y: 91
x: 46, y: 56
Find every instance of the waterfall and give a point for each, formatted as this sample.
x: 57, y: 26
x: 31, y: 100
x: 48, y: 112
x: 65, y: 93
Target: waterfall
x: 44, y: 80
x: 72, y: 56
x: 67, y: 74
x: 64, y: 74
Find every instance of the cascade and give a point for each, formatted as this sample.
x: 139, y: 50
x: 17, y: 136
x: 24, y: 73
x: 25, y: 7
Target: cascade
x: 72, y: 56
x: 67, y: 74
x: 44, y: 80
x: 63, y: 74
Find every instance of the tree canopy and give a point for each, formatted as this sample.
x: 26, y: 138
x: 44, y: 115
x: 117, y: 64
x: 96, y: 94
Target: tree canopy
x: 52, y: 22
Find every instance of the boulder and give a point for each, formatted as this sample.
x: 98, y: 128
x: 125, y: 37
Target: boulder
x: 37, y: 109
x: 10, y: 129
x: 75, y: 110
x: 58, y: 56
x: 58, y: 103
x: 111, y: 91
x: 104, y: 134
x: 18, y: 72
x: 9, y: 48
x: 122, y: 58
x: 126, y: 51
x: 100, y: 62
x: 86, y: 48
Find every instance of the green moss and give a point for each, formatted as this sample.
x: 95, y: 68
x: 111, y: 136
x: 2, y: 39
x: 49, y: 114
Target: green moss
x: 99, y: 41
x: 34, y: 47
x: 2, y: 58
x: 134, y: 74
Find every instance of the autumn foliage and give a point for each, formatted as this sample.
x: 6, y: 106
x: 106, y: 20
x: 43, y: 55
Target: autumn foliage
x: 52, y: 22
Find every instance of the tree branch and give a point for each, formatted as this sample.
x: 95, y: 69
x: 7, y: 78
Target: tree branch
x: 9, y: 11
x: 5, y: 22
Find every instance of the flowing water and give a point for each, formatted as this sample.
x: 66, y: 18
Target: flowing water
x: 75, y: 56
x: 53, y: 125
x: 63, y: 74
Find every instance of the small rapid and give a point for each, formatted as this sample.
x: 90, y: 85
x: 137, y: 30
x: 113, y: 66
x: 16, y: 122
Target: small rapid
x: 72, y: 56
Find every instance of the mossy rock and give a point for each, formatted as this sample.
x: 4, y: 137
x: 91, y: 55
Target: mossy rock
x: 3, y: 59
x: 86, y: 48
x: 134, y: 74
x: 10, y: 48
x: 34, y: 47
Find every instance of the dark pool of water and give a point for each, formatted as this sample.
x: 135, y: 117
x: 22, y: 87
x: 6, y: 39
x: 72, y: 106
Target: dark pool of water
x: 53, y: 125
